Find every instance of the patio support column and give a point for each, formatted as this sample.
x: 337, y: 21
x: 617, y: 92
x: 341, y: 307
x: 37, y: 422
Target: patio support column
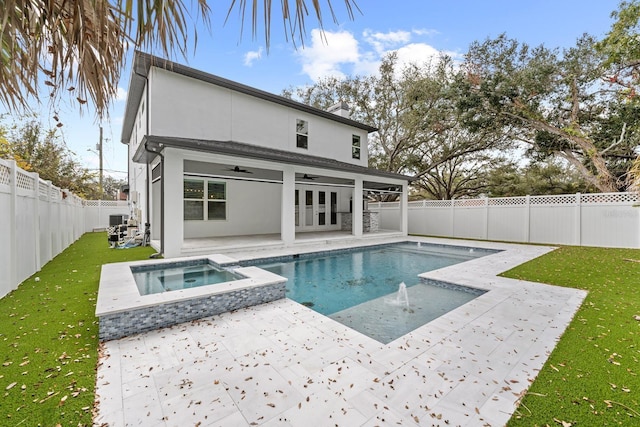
x: 357, y: 208
x: 172, y: 203
x: 287, y: 216
x: 404, y: 209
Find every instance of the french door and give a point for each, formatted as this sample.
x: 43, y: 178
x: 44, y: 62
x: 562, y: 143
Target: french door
x: 316, y: 208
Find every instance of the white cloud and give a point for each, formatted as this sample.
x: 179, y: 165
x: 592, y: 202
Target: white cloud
x: 327, y: 52
x: 339, y: 53
x: 416, y: 53
x: 252, y: 56
x: 121, y: 94
x: 382, y: 42
x: 424, y: 32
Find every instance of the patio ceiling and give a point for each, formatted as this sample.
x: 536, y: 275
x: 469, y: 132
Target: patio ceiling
x: 250, y: 173
x: 231, y: 171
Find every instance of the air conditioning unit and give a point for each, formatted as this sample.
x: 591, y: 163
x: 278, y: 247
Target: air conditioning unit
x: 117, y: 220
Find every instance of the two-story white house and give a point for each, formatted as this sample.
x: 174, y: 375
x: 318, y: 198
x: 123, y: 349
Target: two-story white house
x: 214, y: 163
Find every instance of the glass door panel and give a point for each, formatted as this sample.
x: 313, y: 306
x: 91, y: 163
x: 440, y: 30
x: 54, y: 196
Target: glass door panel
x: 308, y: 208
x: 334, y: 208
x: 297, y: 208
x: 322, y: 208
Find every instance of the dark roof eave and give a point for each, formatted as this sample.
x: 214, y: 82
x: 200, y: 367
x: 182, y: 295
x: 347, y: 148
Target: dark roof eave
x: 152, y: 145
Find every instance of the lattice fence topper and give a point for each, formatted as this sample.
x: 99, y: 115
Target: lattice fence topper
x: 437, y: 203
x: 609, y: 198
x: 104, y: 203
x: 25, y: 181
x: 508, y: 201
x: 555, y: 200
x: 470, y: 202
x: 564, y: 199
x: 5, y: 174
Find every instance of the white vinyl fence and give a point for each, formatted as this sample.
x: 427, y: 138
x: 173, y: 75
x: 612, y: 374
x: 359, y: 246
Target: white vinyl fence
x: 97, y: 213
x: 607, y: 219
x: 39, y: 220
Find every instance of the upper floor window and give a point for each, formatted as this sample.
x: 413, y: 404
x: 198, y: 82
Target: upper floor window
x: 204, y: 199
x: 355, y: 146
x: 302, y: 133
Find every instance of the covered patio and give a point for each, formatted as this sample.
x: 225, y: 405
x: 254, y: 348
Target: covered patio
x: 267, y: 198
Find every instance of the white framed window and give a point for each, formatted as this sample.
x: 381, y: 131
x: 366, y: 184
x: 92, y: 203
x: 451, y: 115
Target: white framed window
x: 216, y: 201
x: 302, y: 133
x: 205, y: 200
x: 355, y: 146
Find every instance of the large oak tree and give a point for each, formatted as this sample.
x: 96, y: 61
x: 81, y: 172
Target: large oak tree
x: 561, y: 104
x: 621, y: 48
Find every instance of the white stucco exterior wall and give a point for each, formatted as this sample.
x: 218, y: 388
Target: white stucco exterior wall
x: 190, y: 108
x: 173, y: 213
x: 252, y: 208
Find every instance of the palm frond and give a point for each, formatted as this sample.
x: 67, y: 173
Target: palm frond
x: 294, y: 24
x: 78, y: 48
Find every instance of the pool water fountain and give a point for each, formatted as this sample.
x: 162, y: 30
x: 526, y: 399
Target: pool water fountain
x: 402, y: 298
x: 369, y: 288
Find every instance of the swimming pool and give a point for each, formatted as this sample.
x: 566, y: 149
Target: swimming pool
x: 360, y: 287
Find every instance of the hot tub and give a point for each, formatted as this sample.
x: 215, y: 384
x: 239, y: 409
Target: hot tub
x: 126, y: 308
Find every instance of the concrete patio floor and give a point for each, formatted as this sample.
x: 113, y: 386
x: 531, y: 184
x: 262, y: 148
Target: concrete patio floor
x: 282, y: 364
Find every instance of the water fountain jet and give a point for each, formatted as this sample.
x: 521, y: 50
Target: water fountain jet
x: 402, y: 298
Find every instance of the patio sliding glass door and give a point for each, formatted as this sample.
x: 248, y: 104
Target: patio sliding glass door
x: 316, y: 208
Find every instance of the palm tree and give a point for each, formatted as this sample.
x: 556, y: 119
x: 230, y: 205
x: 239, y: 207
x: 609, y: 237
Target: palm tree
x: 77, y: 48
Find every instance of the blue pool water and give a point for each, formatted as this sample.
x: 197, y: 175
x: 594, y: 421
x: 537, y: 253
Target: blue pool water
x: 170, y: 277
x: 359, y: 287
x: 333, y: 282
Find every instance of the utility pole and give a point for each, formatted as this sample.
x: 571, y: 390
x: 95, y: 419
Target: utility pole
x: 99, y: 148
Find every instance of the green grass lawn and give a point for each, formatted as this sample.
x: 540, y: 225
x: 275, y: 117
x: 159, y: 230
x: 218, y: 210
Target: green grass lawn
x: 591, y: 378
x: 49, y: 340
x: 49, y: 337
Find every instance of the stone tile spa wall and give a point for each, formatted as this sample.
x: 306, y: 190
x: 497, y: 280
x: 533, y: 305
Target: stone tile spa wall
x: 121, y: 324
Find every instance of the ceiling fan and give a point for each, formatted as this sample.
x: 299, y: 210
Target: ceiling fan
x: 309, y: 177
x: 239, y: 170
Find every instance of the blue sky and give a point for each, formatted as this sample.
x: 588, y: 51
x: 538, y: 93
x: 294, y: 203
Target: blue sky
x: 417, y: 29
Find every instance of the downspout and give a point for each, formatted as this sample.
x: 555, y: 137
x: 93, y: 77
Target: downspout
x: 159, y: 153
x: 148, y: 195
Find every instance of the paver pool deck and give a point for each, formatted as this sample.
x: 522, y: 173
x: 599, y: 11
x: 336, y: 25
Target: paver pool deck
x: 282, y: 364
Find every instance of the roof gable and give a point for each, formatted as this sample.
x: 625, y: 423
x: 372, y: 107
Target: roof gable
x: 143, y: 62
